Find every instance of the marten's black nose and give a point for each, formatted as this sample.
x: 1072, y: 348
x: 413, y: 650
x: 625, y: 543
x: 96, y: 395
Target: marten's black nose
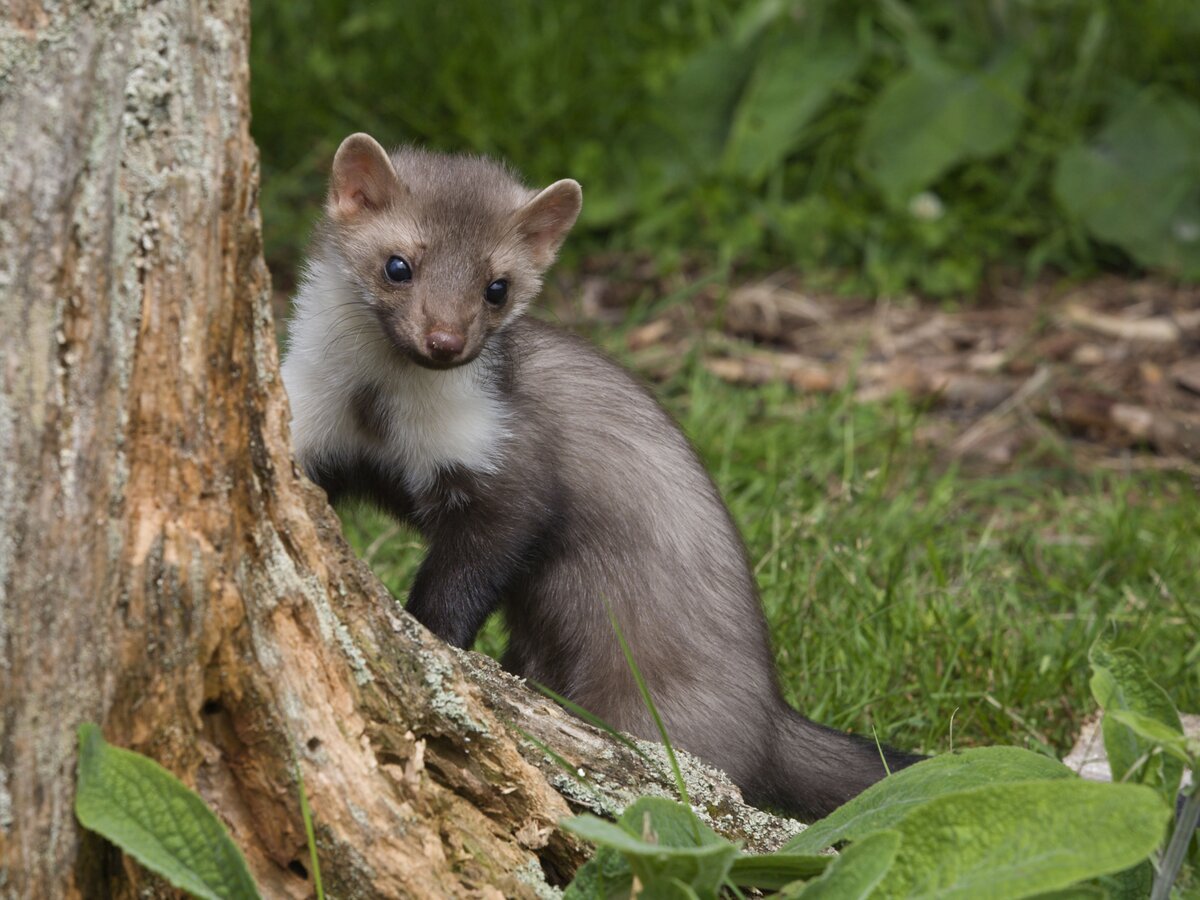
x: 444, y: 345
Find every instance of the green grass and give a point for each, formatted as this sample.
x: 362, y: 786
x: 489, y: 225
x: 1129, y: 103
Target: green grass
x: 931, y: 605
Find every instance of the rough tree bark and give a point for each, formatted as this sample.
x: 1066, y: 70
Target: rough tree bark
x: 164, y: 569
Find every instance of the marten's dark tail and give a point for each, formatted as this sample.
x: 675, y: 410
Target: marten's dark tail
x: 813, y: 769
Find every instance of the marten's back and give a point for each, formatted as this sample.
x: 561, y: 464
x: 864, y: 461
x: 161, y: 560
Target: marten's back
x: 645, y: 532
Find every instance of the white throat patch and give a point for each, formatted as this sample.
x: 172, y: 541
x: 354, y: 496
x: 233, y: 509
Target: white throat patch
x: 428, y: 420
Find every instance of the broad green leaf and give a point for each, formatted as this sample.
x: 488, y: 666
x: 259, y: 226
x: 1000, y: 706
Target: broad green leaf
x: 662, y: 842
x: 698, y: 104
x: 608, y: 834
x: 774, y: 870
x: 1120, y: 682
x: 893, y: 798
x: 794, y: 77
x: 936, y: 116
x: 673, y: 824
x: 855, y: 873
x: 1134, y: 883
x: 681, y: 142
x: 1136, y: 184
x: 684, y: 139
x: 667, y: 889
x: 1016, y: 840
x: 146, y: 811
x: 606, y: 876
x: 1154, y: 731
x: 608, y: 873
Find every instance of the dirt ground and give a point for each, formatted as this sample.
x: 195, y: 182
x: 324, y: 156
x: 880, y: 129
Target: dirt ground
x: 1109, y: 369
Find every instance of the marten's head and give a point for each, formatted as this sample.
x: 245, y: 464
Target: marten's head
x: 444, y: 249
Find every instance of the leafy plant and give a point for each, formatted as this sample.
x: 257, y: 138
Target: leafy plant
x: 1136, y: 183
x: 146, y: 811
x: 662, y: 845
x: 1023, y: 838
x: 898, y: 143
x: 888, y: 802
x: 855, y: 873
x: 1144, y: 741
x: 996, y: 822
x: 1133, y: 704
x: 936, y: 116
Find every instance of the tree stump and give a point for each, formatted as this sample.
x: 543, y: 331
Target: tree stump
x: 165, y: 570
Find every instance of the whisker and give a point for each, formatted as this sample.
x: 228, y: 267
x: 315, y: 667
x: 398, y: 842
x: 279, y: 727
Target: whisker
x: 334, y: 307
x: 349, y: 317
x: 369, y: 344
x: 356, y: 333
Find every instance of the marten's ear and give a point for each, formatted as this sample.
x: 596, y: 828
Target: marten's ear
x: 363, y: 179
x: 545, y: 220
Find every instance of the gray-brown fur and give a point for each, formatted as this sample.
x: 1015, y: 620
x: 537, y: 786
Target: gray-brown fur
x: 590, y: 495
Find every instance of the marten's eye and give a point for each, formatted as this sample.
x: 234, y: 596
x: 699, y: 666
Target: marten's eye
x: 397, y: 270
x: 496, y: 293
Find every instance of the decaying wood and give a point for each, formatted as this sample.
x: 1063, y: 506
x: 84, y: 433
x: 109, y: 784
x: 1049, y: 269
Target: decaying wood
x: 164, y: 569
x: 599, y: 775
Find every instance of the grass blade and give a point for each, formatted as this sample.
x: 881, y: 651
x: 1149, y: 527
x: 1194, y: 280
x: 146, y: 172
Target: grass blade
x: 649, y: 701
x: 590, y: 717
x: 309, y: 833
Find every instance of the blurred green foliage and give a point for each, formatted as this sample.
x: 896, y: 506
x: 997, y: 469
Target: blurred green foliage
x: 891, y: 145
